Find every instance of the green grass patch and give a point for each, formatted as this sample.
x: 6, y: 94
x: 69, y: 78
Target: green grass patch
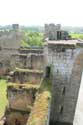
x: 77, y: 36
x: 3, y: 99
x: 46, y: 85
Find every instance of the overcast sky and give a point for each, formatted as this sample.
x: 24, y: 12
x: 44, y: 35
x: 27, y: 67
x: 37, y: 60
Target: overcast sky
x: 38, y: 12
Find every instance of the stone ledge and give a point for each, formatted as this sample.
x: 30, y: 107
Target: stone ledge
x: 28, y: 71
x: 22, y: 86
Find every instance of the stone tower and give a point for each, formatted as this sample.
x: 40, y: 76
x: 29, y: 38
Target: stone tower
x: 66, y: 56
x: 15, y: 26
x: 54, y: 32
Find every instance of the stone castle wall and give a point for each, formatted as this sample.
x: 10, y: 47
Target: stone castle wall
x: 67, y: 69
x: 66, y: 81
x: 10, y: 39
x: 9, y: 44
x: 34, y: 61
x: 20, y: 98
x: 26, y: 77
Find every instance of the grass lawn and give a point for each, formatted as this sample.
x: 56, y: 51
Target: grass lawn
x: 78, y: 36
x: 3, y: 99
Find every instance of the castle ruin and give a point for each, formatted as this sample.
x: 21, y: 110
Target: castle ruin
x: 58, y: 65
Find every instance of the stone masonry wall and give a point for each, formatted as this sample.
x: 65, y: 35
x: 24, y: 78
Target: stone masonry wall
x: 21, y: 99
x: 66, y: 82
x: 26, y: 77
x: 51, y: 31
x: 11, y: 39
x: 34, y: 61
x: 9, y: 44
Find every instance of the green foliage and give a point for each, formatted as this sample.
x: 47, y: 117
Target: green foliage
x: 77, y: 36
x: 3, y: 99
x: 46, y: 85
x: 32, y: 39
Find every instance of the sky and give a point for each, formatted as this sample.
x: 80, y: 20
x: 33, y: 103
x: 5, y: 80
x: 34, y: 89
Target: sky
x: 39, y: 12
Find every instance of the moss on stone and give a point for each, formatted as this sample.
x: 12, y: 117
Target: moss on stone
x: 39, y: 112
x: 23, y: 86
x: 29, y: 70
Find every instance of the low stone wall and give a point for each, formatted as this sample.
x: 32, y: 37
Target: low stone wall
x: 39, y: 113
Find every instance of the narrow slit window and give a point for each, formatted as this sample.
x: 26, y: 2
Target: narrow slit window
x: 48, y: 71
x: 64, y: 90
x: 61, y: 109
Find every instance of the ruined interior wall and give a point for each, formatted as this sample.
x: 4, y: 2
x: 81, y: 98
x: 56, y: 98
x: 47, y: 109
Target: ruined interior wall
x: 33, y: 61
x: 21, y: 99
x: 11, y: 39
x: 9, y: 44
x: 28, y: 78
x: 37, y: 61
x: 5, y: 60
x: 6, y: 53
x: 19, y: 61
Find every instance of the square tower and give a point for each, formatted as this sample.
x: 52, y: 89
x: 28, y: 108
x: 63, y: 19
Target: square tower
x: 66, y: 58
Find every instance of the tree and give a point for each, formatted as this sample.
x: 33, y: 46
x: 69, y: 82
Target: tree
x: 32, y: 39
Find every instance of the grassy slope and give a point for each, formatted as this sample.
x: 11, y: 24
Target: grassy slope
x: 3, y: 100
